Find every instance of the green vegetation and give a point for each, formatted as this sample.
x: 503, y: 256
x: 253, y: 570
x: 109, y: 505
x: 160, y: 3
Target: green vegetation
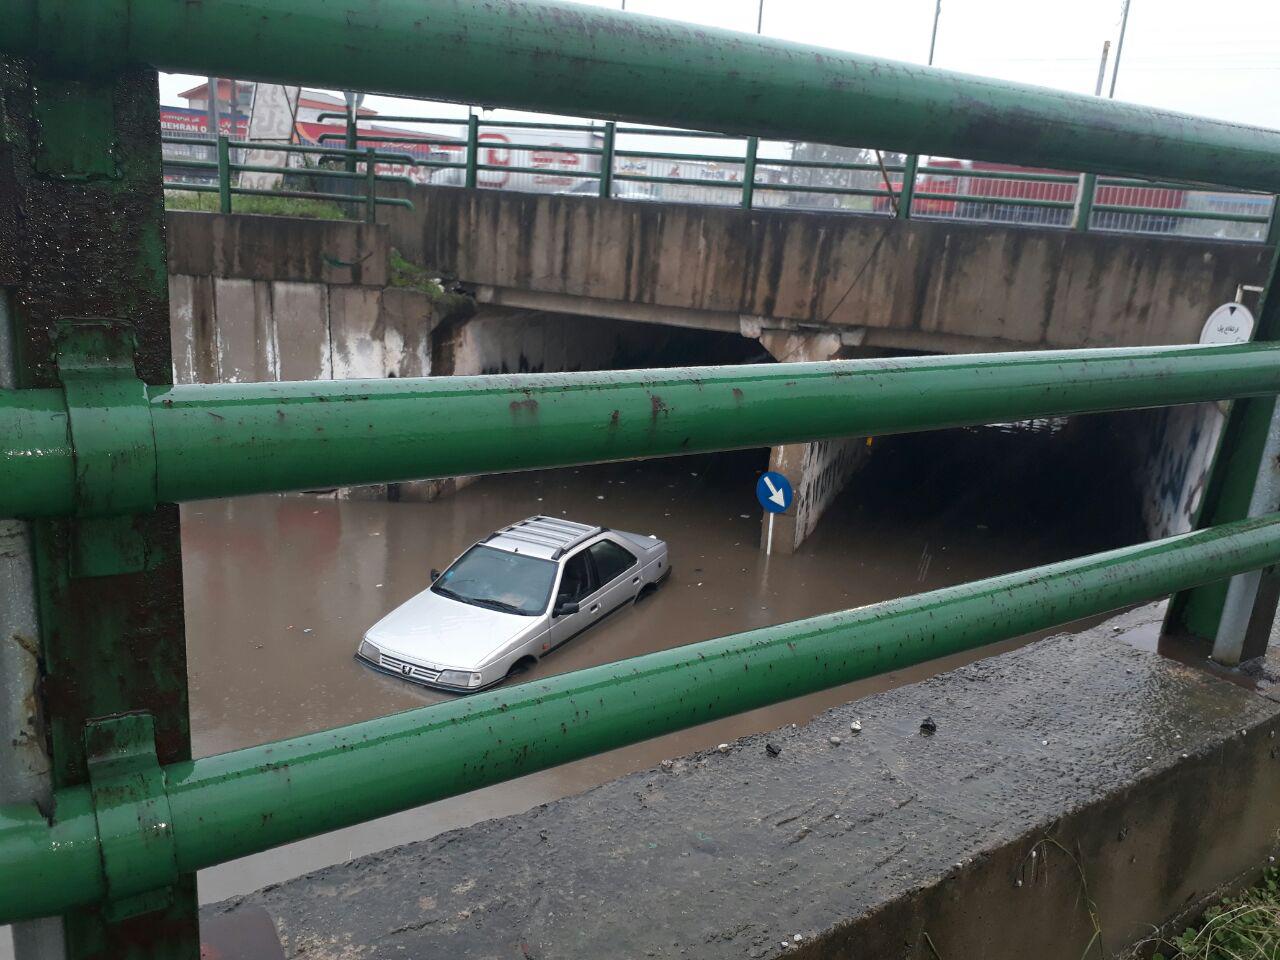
x: 406, y: 273
x: 270, y: 206
x: 1241, y: 928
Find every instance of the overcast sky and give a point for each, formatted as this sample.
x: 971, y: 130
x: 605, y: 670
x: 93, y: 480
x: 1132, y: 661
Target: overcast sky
x: 1219, y: 59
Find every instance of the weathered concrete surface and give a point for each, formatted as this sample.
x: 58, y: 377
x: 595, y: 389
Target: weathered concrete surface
x: 1073, y: 778
x: 276, y: 248
x: 817, y: 471
x: 925, y: 285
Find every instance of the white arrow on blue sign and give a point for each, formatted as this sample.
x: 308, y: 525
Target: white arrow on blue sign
x: 773, y: 490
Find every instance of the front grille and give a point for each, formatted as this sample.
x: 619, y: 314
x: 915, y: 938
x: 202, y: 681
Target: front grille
x: 388, y: 662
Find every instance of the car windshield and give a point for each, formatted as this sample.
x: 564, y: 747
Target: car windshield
x: 499, y: 580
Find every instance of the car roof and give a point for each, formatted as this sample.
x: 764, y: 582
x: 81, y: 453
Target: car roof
x: 545, y: 537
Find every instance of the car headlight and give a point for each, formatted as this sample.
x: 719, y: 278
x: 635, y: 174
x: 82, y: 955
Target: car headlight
x: 459, y: 678
x: 368, y: 651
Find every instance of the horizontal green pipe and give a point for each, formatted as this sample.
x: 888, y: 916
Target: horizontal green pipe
x: 575, y: 60
x: 381, y: 138
x: 1182, y: 214
x: 291, y: 194
x: 546, y: 171
x: 318, y: 172
x: 735, y: 185
x: 998, y: 201
x: 1000, y: 175
x: 217, y: 440
x: 834, y: 165
x: 813, y: 188
x: 687, y: 134
x: 550, y: 148
x: 235, y: 804
x: 691, y: 157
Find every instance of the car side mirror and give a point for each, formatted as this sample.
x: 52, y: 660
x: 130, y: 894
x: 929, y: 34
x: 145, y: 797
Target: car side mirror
x: 564, y: 609
x: 435, y: 574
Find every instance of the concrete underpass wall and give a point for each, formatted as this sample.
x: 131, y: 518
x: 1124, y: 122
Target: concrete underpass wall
x: 934, y: 286
x: 278, y: 298
x: 1174, y: 451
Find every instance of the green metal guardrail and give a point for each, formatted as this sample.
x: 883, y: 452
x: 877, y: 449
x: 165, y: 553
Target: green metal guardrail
x: 219, y: 440
x: 894, y: 186
x: 224, y: 169
x: 102, y: 447
x: 208, y: 811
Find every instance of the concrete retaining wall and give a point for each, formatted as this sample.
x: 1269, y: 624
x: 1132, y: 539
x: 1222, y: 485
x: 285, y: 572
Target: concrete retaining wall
x: 279, y: 298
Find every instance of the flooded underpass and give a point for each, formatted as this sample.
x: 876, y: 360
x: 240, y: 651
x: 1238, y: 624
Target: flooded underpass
x: 279, y: 589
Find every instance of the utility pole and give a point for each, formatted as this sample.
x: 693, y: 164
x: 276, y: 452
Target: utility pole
x: 933, y: 40
x: 1102, y: 68
x: 211, y: 109
x: 760, y: 17
x: 1115, y: 71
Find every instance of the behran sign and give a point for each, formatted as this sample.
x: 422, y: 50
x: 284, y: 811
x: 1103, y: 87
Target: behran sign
x: 271, y: 120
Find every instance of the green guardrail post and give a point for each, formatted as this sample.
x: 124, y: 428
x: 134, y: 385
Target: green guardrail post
x: 1084, y: 202
x: 907, y: 194
x: 606, y: 159
x: 1241, y: 482
x: 749, y: 172
x: 224, y: 173
x: 109, y: 632
x: 473, y: 150
x: 352, y: 140
x: 370, y: 185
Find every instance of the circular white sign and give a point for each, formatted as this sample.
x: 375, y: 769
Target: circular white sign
x: 1230, y: 323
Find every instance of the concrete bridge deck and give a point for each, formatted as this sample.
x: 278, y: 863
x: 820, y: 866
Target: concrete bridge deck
x: 936, y: 286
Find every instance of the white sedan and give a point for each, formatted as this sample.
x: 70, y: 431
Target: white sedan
x: 510, y: 600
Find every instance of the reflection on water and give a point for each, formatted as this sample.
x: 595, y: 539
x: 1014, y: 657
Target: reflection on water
x: 279, y: 589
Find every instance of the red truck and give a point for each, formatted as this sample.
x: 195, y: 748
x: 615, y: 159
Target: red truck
x: 969, y: 183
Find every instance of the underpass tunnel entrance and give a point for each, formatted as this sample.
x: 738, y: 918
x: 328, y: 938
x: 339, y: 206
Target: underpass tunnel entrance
x: 499, y: 340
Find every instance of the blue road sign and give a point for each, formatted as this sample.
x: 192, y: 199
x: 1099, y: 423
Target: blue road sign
x: 773, y: 490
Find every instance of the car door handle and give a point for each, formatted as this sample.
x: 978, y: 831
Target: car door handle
x: 595, y: 608
x: 635, y: 579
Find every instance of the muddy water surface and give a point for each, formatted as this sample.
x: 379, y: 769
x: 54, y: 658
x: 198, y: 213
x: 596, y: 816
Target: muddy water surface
x: 279, y: 589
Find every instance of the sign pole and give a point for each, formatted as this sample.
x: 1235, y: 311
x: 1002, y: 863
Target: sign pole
x: 768, y: 546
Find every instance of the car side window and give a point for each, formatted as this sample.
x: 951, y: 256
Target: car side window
x: 575, y: 583
x: 610, y: 559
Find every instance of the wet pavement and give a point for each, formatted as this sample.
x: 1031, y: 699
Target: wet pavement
x: 278, y: 590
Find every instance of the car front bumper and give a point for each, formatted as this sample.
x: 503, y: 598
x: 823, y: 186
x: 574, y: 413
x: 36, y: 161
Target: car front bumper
x: 406, y: 669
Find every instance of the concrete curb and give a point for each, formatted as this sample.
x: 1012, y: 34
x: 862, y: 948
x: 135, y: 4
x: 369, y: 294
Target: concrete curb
x: 1073, y: 785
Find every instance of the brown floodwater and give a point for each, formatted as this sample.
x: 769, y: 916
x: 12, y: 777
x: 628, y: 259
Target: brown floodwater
x: 279, y: 589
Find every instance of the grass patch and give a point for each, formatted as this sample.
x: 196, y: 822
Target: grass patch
x: 1242, y: 928
x: 267, y: 206
x: 406, y: 273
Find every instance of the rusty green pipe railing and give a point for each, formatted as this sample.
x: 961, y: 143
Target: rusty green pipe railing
x: 230, y: 439
x: 238, y: 803
x: 566, y: 59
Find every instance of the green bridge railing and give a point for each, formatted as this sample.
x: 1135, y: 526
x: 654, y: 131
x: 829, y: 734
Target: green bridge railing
x: 901, y: 187
x: 224, y: 169
x: 95, y: 444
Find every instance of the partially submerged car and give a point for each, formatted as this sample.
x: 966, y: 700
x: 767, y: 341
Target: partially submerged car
x: 510, y: 600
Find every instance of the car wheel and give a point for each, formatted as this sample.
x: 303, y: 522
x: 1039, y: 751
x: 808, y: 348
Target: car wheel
x: 521, y: 667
